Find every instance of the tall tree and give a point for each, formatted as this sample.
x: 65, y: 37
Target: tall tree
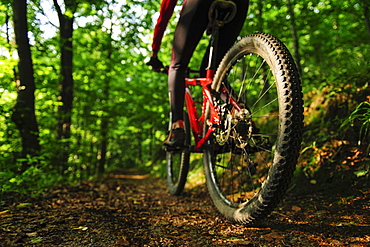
x: 66, y: 81
x: 24, y: 110
x: 366, y: 6
x: 104, y: 126
x: 293, y: 29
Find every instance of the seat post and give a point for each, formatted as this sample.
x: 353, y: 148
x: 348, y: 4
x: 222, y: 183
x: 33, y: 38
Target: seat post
x: 213, y: 48
x: 220, y: 13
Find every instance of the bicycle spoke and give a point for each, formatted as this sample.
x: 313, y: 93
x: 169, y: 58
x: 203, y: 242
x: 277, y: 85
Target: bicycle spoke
x: 245, y: 154
x: 267, y: 116
x: 244, y: 78
x: 266, y: 105
x: 261, y: 96
x: 237, y: 169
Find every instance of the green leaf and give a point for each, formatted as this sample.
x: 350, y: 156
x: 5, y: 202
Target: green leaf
x: 24, y: 205
x: 36, y: 240
x: 360, y: 173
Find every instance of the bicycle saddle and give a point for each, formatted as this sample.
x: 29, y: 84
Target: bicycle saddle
x: 222, y: 11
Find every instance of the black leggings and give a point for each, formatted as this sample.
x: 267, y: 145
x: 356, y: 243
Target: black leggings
x: 190, y: 28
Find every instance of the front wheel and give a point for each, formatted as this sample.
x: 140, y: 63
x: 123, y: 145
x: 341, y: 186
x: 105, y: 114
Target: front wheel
x: 251, y: 157
x: 177, y: 160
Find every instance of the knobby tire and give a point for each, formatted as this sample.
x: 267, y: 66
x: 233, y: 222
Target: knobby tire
x: 250, y: 159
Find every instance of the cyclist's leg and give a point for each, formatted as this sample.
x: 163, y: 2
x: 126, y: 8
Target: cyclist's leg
x: 228, y: 34
x: 192, y: 23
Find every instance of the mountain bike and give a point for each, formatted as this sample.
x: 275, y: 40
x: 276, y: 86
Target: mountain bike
x: 248, y: 125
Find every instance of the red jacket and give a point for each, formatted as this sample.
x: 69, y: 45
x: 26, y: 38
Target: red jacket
x: 165, y: 13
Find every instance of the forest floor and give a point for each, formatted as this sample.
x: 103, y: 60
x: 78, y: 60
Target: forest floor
x: 132, y: 209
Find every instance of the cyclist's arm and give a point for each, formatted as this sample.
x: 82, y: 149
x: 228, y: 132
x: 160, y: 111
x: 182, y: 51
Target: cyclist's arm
x: 165, y: 13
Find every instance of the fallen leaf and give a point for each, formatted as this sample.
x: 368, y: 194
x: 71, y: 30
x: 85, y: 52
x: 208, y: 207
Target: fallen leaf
x: 272, y: 236
x: 122, y: 241
x: 82, y: 228
x: 5, y: 212
x: 24, y: 205
x: 36, y: 240
x: 31, y: 234
x: 241, y: 242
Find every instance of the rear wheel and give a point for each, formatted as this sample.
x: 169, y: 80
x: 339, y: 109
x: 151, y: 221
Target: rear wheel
x: 250, y: 159
x: 178, y: 162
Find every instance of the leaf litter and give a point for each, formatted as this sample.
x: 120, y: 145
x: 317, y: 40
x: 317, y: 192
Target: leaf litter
x: 119, y: 210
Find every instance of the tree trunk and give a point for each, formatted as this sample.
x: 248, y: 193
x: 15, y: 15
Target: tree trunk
x: 366, y: 4
x: 104, y: 127
x: 104, y: 123
x: 24, y: 110
x: 293, y: 28
x: 139, y: 148
x: 66, y: 82
x: 103, y: 145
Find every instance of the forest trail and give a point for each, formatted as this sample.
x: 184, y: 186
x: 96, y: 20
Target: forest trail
x: 133, y: 209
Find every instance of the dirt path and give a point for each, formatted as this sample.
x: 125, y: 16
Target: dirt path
x: 136, y: 210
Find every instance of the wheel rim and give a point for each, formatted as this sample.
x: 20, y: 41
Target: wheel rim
x: 243, y: 149
x: 174, y: 169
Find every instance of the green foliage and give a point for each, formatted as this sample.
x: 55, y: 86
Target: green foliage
x: 360, y: 116
x: 36, y: 177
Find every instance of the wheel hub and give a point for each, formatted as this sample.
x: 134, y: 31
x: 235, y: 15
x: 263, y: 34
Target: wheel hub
x: 236, y: 125
x: 242, y: 122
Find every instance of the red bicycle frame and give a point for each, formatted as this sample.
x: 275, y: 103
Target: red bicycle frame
x: 196, y: 122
